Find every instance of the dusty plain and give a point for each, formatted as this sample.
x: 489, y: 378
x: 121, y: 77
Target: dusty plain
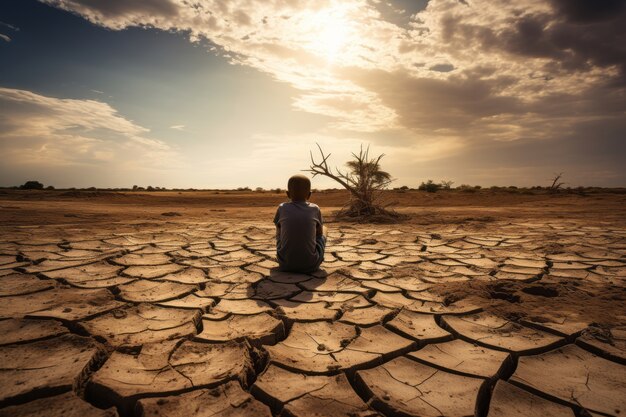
x: 488, y: 303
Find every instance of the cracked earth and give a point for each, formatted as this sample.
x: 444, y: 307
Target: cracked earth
x: 181, y: 319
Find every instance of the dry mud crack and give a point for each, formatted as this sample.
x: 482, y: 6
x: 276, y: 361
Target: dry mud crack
x: 178, y: 319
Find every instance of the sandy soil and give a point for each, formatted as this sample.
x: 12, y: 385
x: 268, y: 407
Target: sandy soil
x: 167, y: 303
x: 55, y: 207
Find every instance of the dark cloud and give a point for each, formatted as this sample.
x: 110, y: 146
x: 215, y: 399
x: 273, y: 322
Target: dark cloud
x: 576, y: 37
x: 585, y: 11
x: 602, y: 43
x: 442, y: 68
x: 528, y: 37
x: 398, y: 12
x: 118, y: 8
x: 482, y: 114
x: 428, y: 103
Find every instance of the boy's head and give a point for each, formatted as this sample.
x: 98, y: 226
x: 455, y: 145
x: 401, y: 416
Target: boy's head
x: 299, y: 188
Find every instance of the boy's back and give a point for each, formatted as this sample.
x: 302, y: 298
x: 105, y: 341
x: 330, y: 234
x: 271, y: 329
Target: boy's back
x: 297, y: 242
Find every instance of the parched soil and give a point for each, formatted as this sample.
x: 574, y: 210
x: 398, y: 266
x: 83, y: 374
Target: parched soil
x: 18, y: 207
x: 166, y: 304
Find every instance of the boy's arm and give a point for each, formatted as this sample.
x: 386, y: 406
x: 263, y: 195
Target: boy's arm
x: 276, y: 219
x: 319, y: 224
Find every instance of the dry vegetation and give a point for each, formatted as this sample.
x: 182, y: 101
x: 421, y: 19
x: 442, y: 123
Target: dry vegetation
x: 365, y: 181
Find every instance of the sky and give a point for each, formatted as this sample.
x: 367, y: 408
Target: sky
x: 226, y: 94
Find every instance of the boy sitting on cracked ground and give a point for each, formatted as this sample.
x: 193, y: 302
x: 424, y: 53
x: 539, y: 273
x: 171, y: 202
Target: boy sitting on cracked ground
x: 300, y: 232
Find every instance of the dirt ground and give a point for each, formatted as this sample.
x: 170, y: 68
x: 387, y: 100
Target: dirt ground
x: 486, y: 303
x: 19, y: 207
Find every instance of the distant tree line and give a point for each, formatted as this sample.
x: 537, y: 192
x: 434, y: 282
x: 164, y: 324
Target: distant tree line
x: 554, y: 186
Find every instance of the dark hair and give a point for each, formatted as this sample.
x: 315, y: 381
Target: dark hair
x: 299, y: 187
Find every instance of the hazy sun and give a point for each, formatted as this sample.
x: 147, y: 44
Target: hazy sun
x: 329, y: 33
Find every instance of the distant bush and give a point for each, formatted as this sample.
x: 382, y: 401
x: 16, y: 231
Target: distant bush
x: 244, y: 189
x: 49, y: 187
x: 429, y: 186
x: 446, y: 185
x: 402, y: 189
x: 466, y: 188
x: 259, y: 189
x: 32, y: 185
x: 277, y: 191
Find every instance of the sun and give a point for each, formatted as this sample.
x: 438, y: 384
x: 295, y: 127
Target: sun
x: 329, y: 33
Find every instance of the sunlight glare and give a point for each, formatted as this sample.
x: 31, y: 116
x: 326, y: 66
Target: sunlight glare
x: 329, y: 33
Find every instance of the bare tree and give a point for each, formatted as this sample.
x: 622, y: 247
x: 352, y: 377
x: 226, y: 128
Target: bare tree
x: 446, y: 185
x: 556, y: 185
x: 365, y: 180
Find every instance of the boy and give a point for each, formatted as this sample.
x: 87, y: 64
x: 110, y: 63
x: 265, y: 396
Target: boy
x: 300, y: 233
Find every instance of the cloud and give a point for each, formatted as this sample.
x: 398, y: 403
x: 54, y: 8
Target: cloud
x: 5, y: 37
x: 562, y: 42
x: 118, y: 14
x: 589, y: 11
x: 52, y: 133
x: 300, y: 43
x: 459, y: 73
x: 14, y: 28
x: 178, y: 127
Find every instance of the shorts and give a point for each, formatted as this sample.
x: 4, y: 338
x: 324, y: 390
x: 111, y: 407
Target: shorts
x: 320, y: 248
